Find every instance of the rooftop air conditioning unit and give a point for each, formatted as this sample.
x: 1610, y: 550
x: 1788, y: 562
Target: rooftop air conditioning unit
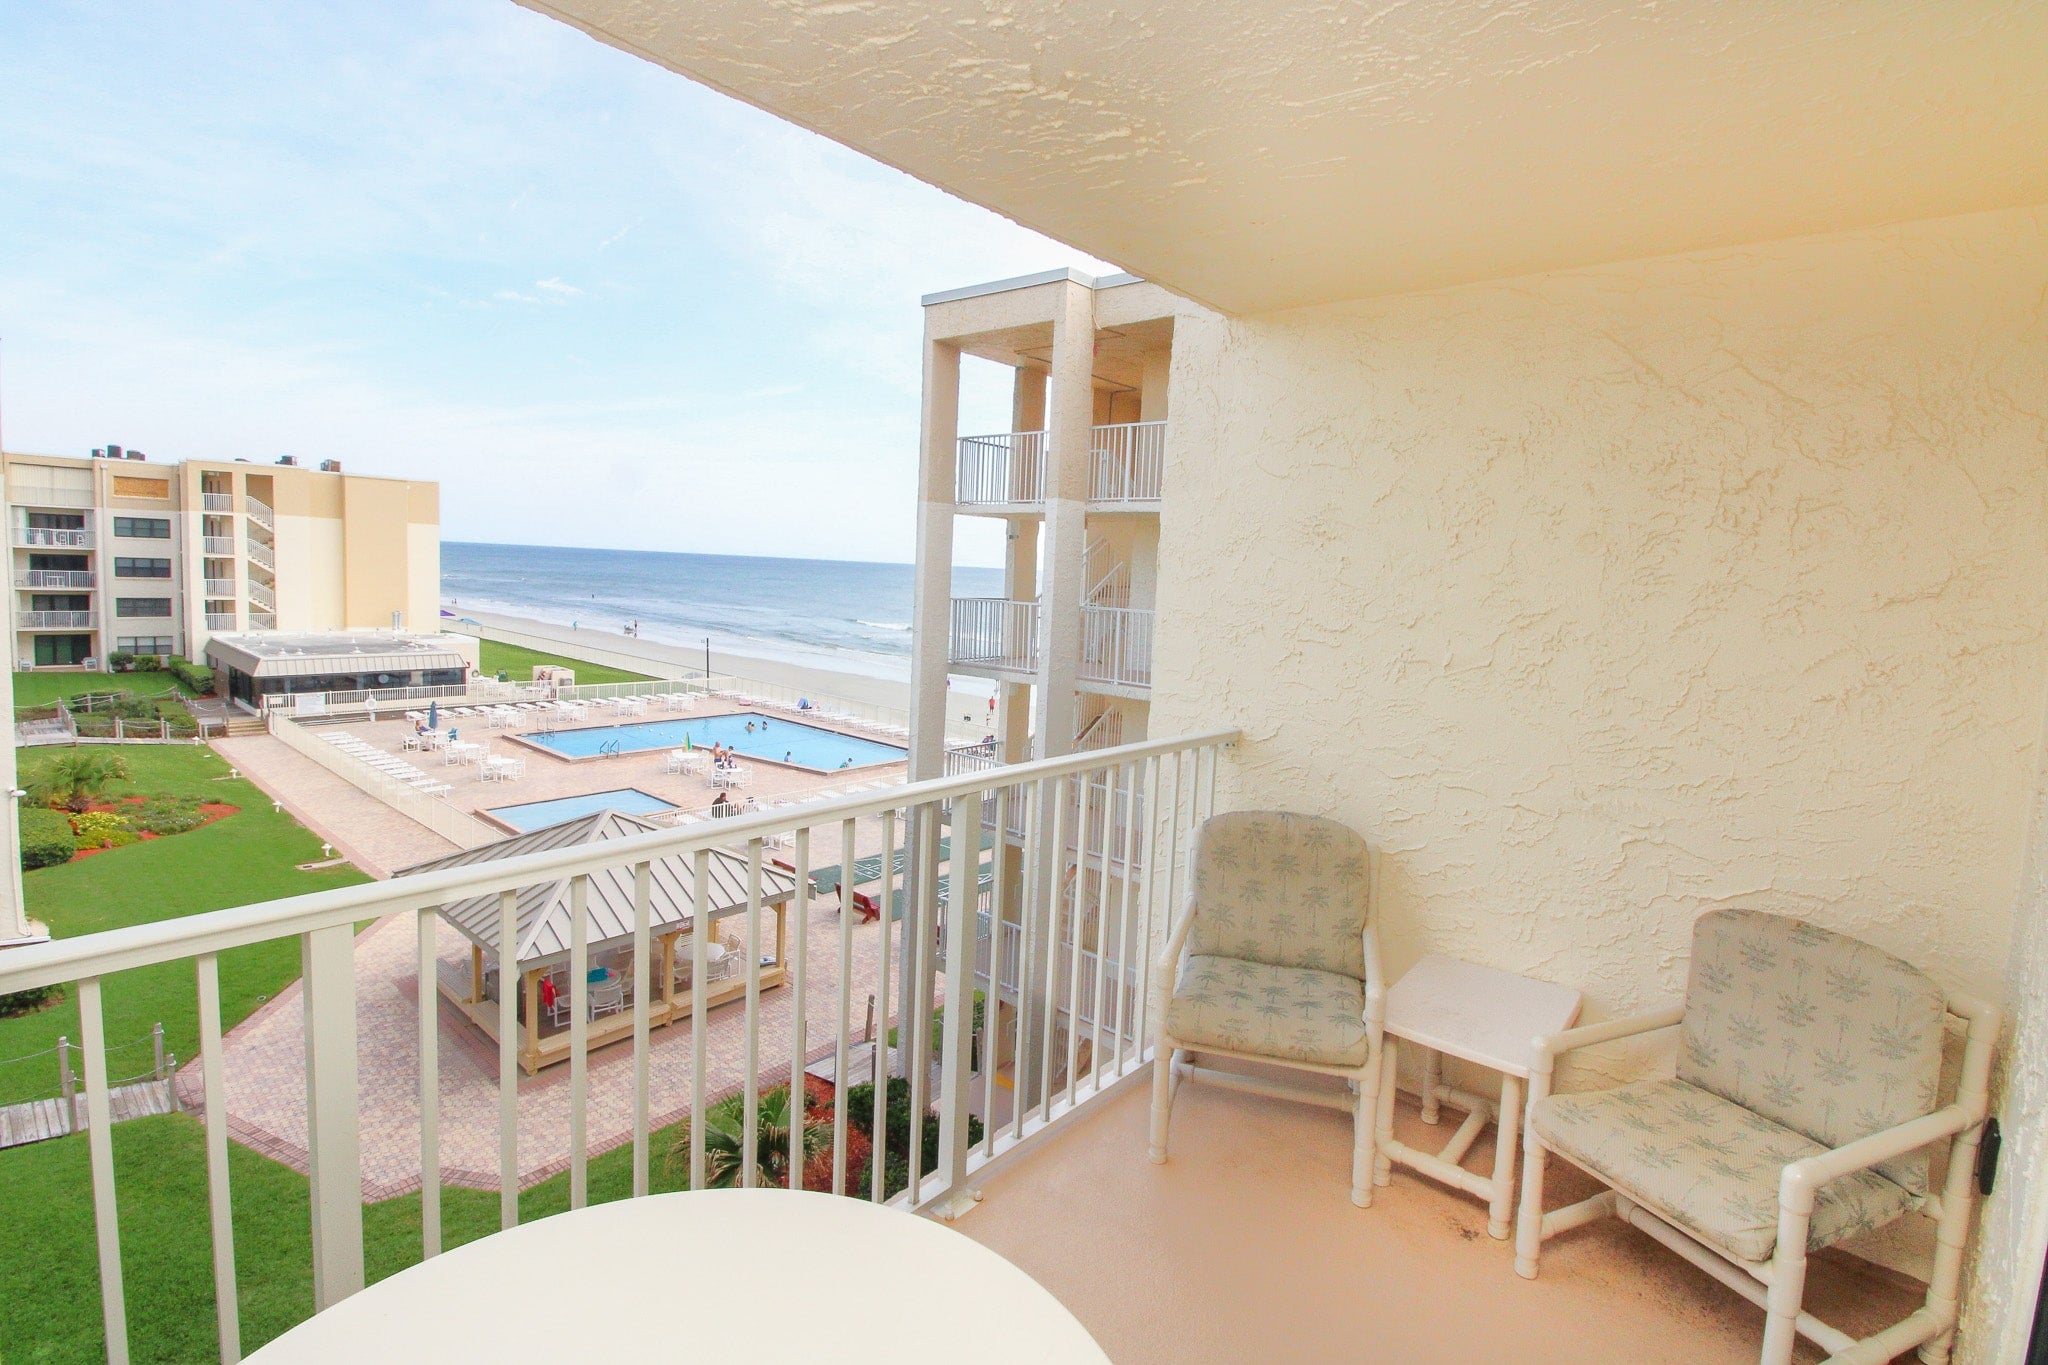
x: 330, y: 466
x: 113, y: 451
x: 287, y: 459
x: 137, y: 455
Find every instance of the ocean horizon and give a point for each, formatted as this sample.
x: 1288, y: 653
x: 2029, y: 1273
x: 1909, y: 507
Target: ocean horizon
x: 846, y: 615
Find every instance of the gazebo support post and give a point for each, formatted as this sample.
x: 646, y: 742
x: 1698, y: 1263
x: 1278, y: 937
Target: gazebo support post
x: 532, y: 1019
x: 476, y: 975
x: 668, y: 978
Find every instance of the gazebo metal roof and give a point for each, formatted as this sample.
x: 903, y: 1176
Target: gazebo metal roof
x: 543, y: 909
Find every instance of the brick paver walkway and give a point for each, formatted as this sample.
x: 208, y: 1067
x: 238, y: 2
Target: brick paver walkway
x: 362, y: 829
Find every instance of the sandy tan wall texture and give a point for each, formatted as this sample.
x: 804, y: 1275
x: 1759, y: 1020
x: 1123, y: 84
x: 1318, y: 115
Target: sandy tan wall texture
x: 1604, y: 598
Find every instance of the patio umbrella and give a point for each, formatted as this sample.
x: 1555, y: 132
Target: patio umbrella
x: 433, y: 715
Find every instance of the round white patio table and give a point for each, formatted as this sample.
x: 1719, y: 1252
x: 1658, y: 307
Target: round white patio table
x: 798, y: 1277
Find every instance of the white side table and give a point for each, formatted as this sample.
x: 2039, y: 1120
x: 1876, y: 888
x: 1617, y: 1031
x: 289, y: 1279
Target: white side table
x: 1488, y: 1018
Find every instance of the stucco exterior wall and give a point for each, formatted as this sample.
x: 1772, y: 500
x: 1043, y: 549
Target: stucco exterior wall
x: 1607, y: 597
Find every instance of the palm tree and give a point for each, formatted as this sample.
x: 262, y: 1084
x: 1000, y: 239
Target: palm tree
x: 725, y: 1140
x: 73, y: 779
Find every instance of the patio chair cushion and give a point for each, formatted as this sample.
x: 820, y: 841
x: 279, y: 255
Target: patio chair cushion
x: 1288, y: 1013
x: 1707, y: 1165
x: 1284, y: 889
x: 1826, y: 1035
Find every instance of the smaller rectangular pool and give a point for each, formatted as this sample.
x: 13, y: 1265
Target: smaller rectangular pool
x: 540, y: 814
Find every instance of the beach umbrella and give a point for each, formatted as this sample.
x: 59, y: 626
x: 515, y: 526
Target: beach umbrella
x: 433, y: 715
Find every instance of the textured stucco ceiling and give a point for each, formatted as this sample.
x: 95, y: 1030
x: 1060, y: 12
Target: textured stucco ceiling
x: 1262, y: 154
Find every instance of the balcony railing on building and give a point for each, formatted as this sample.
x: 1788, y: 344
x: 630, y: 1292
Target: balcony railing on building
x: 262, y: 620
x: 46, y: 537
x: 259, y: 512
x: 55, y: 578
x: 1068, y: 1021
x: 219, y: 547
x: 55, y: 620
x: 217, y: 502
x: 261, y: 595
x: 221, y: 588
x: 260, y: 555
x: 1007, y: 469
x: 221, y: 620
x: 1127, y: 463
x: 994, y: 632
x: 1116, y: 646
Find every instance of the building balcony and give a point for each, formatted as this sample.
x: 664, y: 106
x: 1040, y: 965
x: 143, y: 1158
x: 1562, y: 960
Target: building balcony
x: 261, y: 555
x: 1116, y: 649
x: 55, y: 620
x: 221, y: 589
x: 217, y: 547
x: 994, y: 633
x: 259, y: 512
x: 261, y: 595
x: 43, y: 495
x: 262, y: 620
x: 1005, y: 473
x: 217, y: 502
x: 221, y: 620
x: 54, y: 578
x: 48, y: 538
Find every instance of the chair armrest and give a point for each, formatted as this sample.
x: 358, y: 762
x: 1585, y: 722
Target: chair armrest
x: 1545, y: 1051
x: 1174, y: 944
x: 1802, y: 1179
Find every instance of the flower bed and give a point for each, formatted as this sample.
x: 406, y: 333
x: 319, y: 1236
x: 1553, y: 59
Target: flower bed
x: 108, y: 825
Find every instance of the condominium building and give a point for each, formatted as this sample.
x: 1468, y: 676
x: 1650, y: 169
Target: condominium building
x: 1078, y: 482
x: 130, y: 556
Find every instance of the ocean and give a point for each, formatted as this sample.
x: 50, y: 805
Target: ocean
x: 851, y: 617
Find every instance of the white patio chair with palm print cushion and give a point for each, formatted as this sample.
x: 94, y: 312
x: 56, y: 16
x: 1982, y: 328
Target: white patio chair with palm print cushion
x: 1804, y: 1102
x: 1275, y: 960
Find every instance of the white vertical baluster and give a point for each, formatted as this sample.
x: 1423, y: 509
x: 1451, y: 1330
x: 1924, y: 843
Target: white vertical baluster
x: 333, y: 1147
x: 992, y: 1028
x: 99, y: 1123
x: 1125, y: 1006
x: 1030, y: 975
x: 879, y: 1153
x: 1158, y: 922
x: 1076, y: 918
x: 702, y: 926
x: 429, y: 1013
x: 958, y: 1040
x: 579, y: 1041
x: 920, y: 889
x: 510, y: 984
x: 1102, y: 929
x: 750, y: 1121
x: 220, y: 1209
x: 643, y: 900
x: 799, y: 1042
x: 1055, y: 859
x: 840, y: 1060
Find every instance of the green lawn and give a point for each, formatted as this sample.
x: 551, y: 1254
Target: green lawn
x: 49, y: 1281
x: 42, y: 688
x: 249, y: 856
x: 518, y: 663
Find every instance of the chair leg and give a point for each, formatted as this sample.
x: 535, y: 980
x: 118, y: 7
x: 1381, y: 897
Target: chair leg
x: 1529, y: 1222
x: 1787, y: 1286
x: 1383, y: 1120
x: 1163, y: 1055
x: 1365, y: 1118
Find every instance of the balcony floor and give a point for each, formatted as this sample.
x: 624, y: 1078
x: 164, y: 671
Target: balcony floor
x: 1245, y: 1247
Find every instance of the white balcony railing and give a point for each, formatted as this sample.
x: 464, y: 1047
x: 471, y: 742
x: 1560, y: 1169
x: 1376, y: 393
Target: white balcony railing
x: 219, y: 547
x: 45, y: 537
x: 217, y: 502
x: 259, y: 511
x: 220, y: 620
x: 994, y: 632
x: 1127, y: 463
x: 261, y: 556
x: 221, y: 587
x: 55, y: 578
x: 1038, y: 1065
x: 1001, y: 470
x: 54, y: 620
x: 1116, y: 646
x: 262, y: 620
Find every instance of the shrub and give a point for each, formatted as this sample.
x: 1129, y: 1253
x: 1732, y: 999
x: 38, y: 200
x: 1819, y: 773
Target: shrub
x: 96, y: 829
x: 725, y: 1139
x: 167, y: 814
x: 29, y: 1001
x: 46, y: 838
x: 148, y: 663
x: 860, y: 1113
x: 73, y: 779
x: 121, y: 661
x: 196, y: 678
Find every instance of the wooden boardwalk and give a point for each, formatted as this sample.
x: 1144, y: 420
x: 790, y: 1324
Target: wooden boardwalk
x: 40, y: 1120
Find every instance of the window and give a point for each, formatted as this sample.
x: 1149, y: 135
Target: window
x: 145, y: 644
x: 59, y: 601
x: 125, y: 567
x: 142, y: 606
x: 58, y: 521
x: 143, y: 528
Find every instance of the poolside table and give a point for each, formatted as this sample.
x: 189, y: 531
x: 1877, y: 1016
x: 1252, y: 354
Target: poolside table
x: 531, y: 1292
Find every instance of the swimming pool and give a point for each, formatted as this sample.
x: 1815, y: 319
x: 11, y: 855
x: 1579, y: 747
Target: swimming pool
x: 770, y: 738
x: 535, y: 815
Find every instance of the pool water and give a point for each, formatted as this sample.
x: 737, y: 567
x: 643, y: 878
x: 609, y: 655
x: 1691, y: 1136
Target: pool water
x: 535, y: 815
x: 772, y: 738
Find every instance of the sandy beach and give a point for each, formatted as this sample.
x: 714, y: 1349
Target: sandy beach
x: 967, y: 704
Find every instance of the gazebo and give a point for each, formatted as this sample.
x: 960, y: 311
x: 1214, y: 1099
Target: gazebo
x: 541, y: 954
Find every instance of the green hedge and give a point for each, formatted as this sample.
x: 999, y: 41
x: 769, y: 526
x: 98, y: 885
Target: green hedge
x: 196, y: 678
x: 46, y: 838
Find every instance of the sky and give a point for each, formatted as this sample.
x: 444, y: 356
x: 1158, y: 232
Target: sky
x: 456, y: 240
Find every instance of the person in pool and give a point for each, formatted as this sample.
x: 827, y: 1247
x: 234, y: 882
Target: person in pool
x: 785, y: 755
x: 750, y: 727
